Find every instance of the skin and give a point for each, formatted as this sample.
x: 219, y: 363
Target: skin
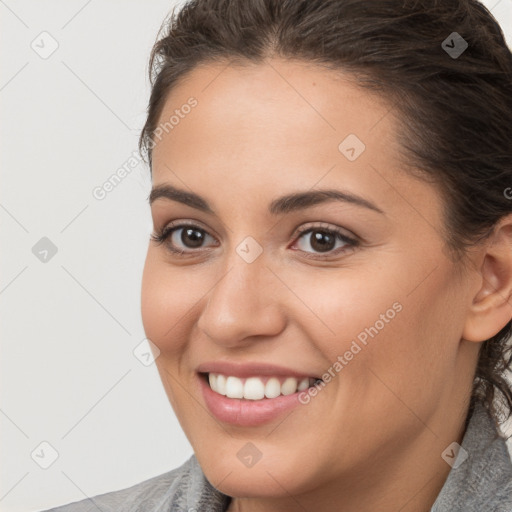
x: 372, y: 439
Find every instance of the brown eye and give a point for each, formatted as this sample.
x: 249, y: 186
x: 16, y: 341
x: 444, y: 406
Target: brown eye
x: 321, y: 241
x: 183, y: 238
x: 318, y: 240
x: 190, y: 237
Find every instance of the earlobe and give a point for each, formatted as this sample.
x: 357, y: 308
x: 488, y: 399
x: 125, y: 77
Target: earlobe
x: 491, y: 307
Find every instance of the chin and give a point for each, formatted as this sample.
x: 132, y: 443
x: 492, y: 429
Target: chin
x: 272, y: 476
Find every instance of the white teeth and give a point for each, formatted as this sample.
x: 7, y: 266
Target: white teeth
x: 221, y: 385
x: 289, y: 386
x: 253, y: 388
x: 272, y: 388
x: 303, y: 384
x: 234, y: 387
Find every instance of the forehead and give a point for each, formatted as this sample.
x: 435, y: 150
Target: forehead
x: 280, y: 126
x: 272, y: 97
x: 271, y: 111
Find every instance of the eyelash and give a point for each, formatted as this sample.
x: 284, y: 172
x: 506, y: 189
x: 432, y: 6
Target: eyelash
x: 163, y: 234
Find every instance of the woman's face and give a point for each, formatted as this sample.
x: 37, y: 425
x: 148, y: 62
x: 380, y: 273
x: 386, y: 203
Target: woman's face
x: 267, y: 289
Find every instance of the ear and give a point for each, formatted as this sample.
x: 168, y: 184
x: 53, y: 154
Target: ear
x: 491, y: 308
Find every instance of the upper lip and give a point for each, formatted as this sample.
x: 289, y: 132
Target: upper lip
x: 244, y: 370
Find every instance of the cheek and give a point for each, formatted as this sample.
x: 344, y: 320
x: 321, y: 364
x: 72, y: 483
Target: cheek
x: 338, y: 307
x: 373, y: 321
x: 173, y: 298
x: 167, y: 300
x: 154, y: 300
x: 411, y: 359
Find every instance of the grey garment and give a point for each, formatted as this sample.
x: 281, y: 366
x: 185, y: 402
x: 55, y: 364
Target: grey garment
x: 482, y: 483
x: 184, y: 489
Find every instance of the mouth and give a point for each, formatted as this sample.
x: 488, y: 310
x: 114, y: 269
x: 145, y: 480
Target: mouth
x: 257, y: 388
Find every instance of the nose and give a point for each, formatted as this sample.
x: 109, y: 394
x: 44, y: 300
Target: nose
x: 243, y: 304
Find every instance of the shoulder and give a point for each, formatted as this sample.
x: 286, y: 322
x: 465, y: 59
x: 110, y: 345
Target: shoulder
x: 180, y: 487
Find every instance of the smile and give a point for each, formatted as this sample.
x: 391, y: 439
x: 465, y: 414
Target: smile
x: 257, y: 388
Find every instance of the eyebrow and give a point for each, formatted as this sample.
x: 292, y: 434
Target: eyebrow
x: 285, y: 204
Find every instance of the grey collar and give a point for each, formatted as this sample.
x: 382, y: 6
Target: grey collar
x: 483, y: 482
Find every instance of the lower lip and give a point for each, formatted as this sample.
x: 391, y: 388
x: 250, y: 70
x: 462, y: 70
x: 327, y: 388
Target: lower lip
x: 246, y: 413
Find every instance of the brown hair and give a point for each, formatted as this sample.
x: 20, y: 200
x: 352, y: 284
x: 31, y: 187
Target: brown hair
x: 455, y: 111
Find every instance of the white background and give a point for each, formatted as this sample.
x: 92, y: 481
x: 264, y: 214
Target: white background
x: 69, y: 326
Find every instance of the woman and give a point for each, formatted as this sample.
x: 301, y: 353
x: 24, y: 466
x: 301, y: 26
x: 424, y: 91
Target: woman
x: 328, y: 285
